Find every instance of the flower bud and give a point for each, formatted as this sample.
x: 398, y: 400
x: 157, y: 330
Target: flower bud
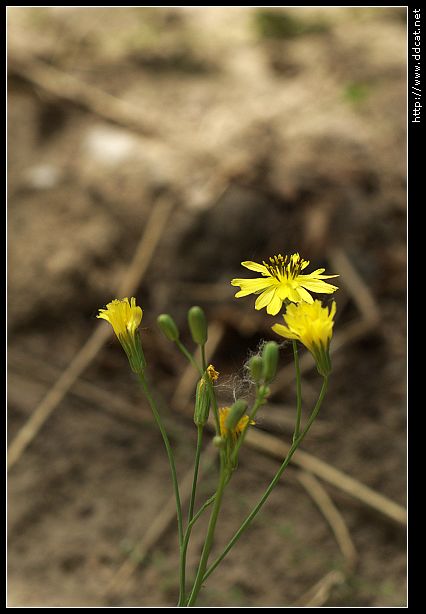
x: 168, y: 326
x: 236, y: 412
x: 264, y: 391
x: 197, y: 325
x: 270, y: 360
x: 202, y: 403
x: 218, y: 441
x: 256, y: 368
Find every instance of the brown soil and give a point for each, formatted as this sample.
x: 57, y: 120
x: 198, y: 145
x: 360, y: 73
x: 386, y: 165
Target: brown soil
x: 270, y: 134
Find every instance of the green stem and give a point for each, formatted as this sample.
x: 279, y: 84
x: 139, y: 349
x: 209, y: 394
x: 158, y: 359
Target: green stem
x: 298, y: 392
x: 210, y: 532
x: 189, y: 356
x: 203, y: 357
x: 182, y: 566
x: 182, y: 601
x: 273, y: 483
x: 200, y: 511
x: 172, y: 467
x: 196, y: 466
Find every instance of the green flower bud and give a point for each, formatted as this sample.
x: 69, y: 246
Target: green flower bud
x: 264, y: 391
x: 168, y: 326
x: 270, y: 360
x: 202, y: 403
x: 236, y: 412
x: 256, y: 368
x: 218, y: 441
x: 197, y: 325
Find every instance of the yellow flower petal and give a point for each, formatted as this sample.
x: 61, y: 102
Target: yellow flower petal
x: 318, y: 275
x: 274, y: 305
x: 264, y: 298
x: 321, y: 287
x: 254, y: 266
x: 284, y: 331
x: 252, y: 286
x: 304, y: 295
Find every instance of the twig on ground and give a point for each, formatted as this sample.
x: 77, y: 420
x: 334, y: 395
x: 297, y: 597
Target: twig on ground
x: 42, y: 374
x: 355, y: 285
x: 64, y: 86
x: 320, y: 592
x: 271, y: 445
x: 334, y: 518
x: 150, y: 237
x: 166, y: 515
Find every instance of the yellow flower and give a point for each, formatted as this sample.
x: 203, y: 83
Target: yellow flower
x: 312, y: 324
x: 123, y: 316
x: 125, y: 319
x: 213, y: 374
x: 241, y: 424
x: 282, y: 280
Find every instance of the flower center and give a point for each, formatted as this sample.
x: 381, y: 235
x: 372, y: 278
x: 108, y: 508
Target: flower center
x: 288, y: 267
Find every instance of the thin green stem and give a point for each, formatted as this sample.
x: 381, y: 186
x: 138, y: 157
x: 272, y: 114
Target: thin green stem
x: 273, y: 483
x: 210, y: 532
x: 200, y: 511
x: 298, y: 392
x: 172, y: 467
x: 196, y: 467
x: 203, y: 357
x: 182, y: 598
x: 184, y: 547
x: 189, y: 356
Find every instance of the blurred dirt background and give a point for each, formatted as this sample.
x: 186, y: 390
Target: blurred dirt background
x: 199, y: 138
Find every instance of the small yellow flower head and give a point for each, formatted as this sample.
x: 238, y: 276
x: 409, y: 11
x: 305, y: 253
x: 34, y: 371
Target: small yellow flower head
x: 123, y: 316
x: 312, y: 325
x: 213, y: 374
x: 240, y: 426
x: 125, y: 319
x: 282, y: 280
